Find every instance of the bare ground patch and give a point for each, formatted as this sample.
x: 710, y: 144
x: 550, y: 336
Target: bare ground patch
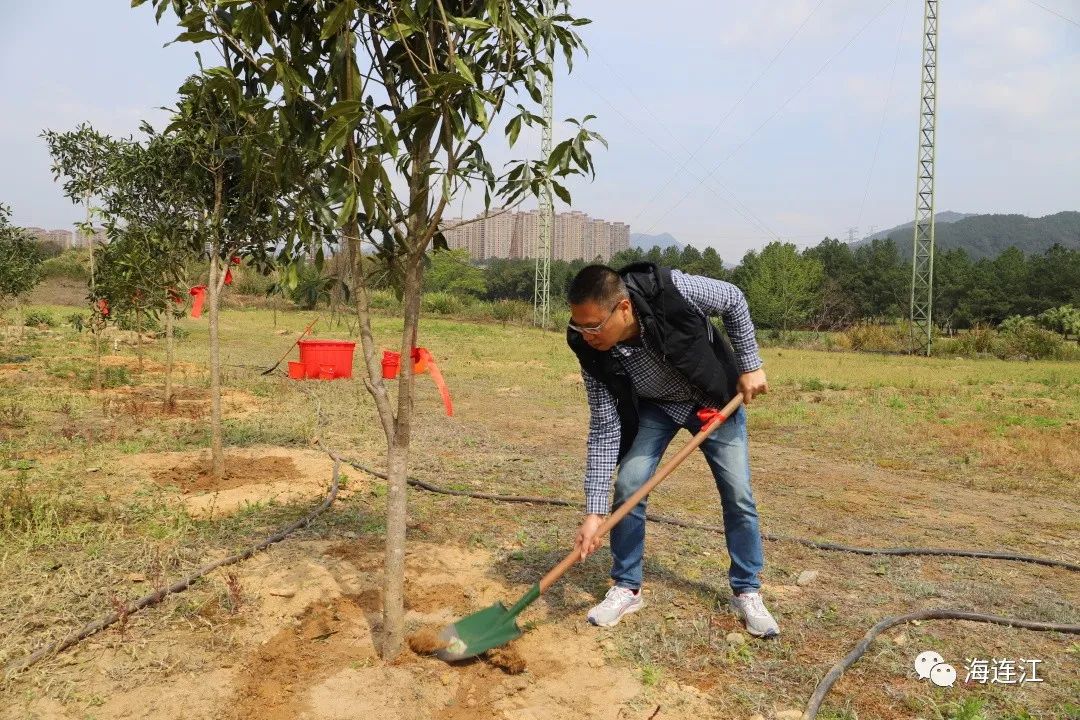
x: 252, y: 475
x: 302, y: 645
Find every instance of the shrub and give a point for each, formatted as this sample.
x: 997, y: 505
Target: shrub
x: 441, y: 303
x: 1028, y: 341
x: 878, y: 338
x: 247, y: 281
x: 517, y: 311
x: 383, y: 300
x: 1064, y: 320
x: 559, y: 319
x: 77, y: 321
x: 36, y: 318
x: 74, y: 263
x: 979, y: 340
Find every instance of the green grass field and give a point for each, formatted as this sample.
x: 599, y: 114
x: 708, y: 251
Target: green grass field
x: 864, y: 449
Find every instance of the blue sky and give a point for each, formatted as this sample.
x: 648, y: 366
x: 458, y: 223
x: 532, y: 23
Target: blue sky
x: 680, y: 94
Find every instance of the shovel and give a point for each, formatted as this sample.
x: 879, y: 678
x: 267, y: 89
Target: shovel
x: 495, y: 626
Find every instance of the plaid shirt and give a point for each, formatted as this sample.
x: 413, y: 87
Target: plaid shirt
x: 655, y: 380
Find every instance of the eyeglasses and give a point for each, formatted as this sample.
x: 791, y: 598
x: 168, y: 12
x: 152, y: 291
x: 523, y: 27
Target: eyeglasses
x: 594, y: 329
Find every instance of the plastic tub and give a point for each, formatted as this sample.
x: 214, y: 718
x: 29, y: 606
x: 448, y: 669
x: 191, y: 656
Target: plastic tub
x: 391, y: 364
x: 336, y: 354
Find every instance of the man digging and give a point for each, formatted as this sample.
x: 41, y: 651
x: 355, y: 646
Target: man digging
x: 650, y: 359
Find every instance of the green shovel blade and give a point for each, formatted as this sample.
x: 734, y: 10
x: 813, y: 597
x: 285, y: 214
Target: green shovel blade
x: 484, y: 630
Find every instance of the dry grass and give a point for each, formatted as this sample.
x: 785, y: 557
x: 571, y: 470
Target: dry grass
x: 861, y: 448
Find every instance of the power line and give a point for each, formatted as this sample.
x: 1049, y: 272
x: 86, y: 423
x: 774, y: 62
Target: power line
x: 884, y: 113
x: 733, y: 108
x: 775, y: 113
x: 734, y: 202
x: 1055, y: 12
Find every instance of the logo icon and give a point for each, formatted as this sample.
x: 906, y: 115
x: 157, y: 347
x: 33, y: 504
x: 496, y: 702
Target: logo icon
x: 929, y: 665
x: 925, y: 662
x: 943, y: 675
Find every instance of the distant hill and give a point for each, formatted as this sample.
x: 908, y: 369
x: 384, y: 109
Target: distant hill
x: 647, y: 242
x: 948, y: 216
x: 985, y: 236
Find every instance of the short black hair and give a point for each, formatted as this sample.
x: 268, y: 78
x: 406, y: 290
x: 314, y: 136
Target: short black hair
x: 599, y: 284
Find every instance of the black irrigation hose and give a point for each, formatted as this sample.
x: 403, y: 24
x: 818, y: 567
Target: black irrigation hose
x: 984, y: 554
x: 838, y: 669
x: 179, y: 586
x: 823, y: 687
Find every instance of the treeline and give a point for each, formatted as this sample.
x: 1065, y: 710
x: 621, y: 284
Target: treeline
x: 826, y: 287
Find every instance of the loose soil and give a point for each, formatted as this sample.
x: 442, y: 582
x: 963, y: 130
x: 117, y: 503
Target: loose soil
x: 252, y: 475
x: 303, y: 645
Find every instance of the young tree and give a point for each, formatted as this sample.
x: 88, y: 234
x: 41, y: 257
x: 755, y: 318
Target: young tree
x: 127, y: 277
x: 711, y: 265
x: 783, y: 288
x: 839, y: 289
x: 82, y: 157
x: 883, y: 281
x: 235, y: 188
x: 148, y: 213
x: 20, y: 262
x: 397, y: 96
x: 451, y: 272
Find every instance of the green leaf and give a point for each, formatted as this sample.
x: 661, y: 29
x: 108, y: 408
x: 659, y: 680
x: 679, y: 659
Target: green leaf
x: 558, y: 155
x: 195, y: 37
x: 386, y: 132
x: 345, y: 107
x: 367, y: 186
x: 479, y: 111
x: 513, y: 129
x: 335, y: 136
x: 562, y: 192
x: 464, y: 70
x: 336, y: 19
x: 397, y: 31
x: 471, y: 23
x: 348, y: 209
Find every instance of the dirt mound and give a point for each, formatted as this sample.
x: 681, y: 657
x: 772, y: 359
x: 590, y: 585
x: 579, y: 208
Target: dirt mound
x: 252, y: 475
x: 276, y: 676
x: 196, y: 476
x: 304, y: 645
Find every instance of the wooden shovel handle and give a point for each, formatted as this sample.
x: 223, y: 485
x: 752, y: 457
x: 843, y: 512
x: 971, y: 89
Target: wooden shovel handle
x: 623, y: 510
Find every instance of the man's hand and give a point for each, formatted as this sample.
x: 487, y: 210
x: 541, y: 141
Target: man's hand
x: 586, y: 542
x: 752, y: 384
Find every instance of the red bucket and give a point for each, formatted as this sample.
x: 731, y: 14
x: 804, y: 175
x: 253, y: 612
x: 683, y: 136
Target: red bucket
x: 337, y: 355
x: 391, y: 364
x: 296, y: 370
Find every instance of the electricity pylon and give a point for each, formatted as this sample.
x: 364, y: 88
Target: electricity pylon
x: 922, y: 260
x: 542, y: 283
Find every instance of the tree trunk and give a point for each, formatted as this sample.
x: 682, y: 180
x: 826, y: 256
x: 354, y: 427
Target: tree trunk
x: 213, y: 288
x: 96, y: 332
x: 168, y: 351
x: 397, y: 471
x: 18, y: 319
x: 90, y: 241
x: 217, y: 459
x: 138, y: 338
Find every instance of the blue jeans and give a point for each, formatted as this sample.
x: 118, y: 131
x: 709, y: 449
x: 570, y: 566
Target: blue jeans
x: 727, y: 452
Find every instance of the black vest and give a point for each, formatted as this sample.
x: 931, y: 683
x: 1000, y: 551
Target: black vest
x: 674, y: 328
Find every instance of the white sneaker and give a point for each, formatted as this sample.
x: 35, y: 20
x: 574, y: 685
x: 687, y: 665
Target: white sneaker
x: 618, y: 602
x: 758, y: 620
